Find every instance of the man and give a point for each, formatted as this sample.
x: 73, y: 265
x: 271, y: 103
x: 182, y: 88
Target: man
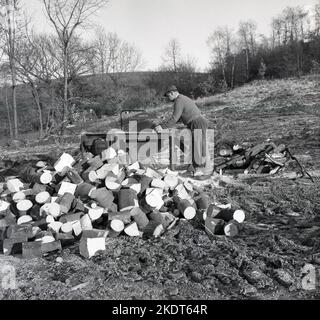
x: 186, y: 110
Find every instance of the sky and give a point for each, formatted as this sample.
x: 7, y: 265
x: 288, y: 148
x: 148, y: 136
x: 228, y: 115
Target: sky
x: 151, y: 24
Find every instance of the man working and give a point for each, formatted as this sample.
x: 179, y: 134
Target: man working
x: 186, y: 110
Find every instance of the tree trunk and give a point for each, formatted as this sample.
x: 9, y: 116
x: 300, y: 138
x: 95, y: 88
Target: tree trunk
x: 11, y: 47
x: 8, y: 112
x: 233, y: 69
x: 65, y: 93
x: 39, y: 107
x: 247, y: 64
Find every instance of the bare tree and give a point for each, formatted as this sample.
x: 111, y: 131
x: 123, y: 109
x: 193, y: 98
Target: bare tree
x: 172, y: 56
x: 115, y: 55
x: 220, y: 42
x: 66, y: 17
x: 11, y: 26
x: 247, y: 36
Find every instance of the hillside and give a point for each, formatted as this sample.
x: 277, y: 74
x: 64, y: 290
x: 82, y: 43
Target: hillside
x: 278, y: 240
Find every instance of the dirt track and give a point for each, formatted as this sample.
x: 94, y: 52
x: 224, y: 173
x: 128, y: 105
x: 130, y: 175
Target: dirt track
x: 280, y: 237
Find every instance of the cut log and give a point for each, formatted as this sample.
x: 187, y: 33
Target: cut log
x: 77, y: 229
x: 51, y: 209
x: 67, y: 187
x: 172, y: 181
x: 153, y: 230
x: 67, y: 228
x: 214, y: 226
x: 124, y: 216
x: 188, y: 186
x: 41, y: 164
x: 66, y: 160
x: 167, y: 219
x: 55, y: 227
x: 202, y: 202
x: 95, y: 233
x: 157, y: 183
x: 24, y: 219
x: 4, y: 207
x: 140, y: 218
x: 74, y: 176
x: 154, y: 200
x: 95, y: 214
x: 90, y: 176
x: 136, y: 188
x: 117, y: 225
x: 21, y: 231
x: 86, y: 223
x: 232, y: 228
x: 66, y: 202
x: 65, y: 239
x: 78, y: 206
x: 134, y: 167
x: 43, y: 197
x: 84, y: 190
x: 51, y: 247
x: 127, y: 200
x: 129, y: 182
x: 231, y: 214
x: 89, y: 247
x: 70, y: 218
x: 103, y: 196
x: 145, y: 183
x: 24, y: 206
x: 211, y: 212
x: 112, y: 184
x: 103, y: 172
x: 14, y: 185
x: 185, y: 208
x: 13, y: 246
x: 108, y: 154
x: 182, y: 193
x: 31, y: 250
x: 132, y: 230
x: 38, y: 188
x: 18, y: 196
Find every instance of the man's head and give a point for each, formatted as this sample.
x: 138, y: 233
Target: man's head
x: 172, y: 93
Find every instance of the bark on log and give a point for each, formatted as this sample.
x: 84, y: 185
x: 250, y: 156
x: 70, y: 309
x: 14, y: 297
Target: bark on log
x: 74, y: 176
x: 153, y: 230
x: 84, y: 190
x: 66, y: 202
x: 13, y: 246
x: 231, y: 214
x: 214, y: 226
x: 140, y: 218
x: 103, y: 196
x: 127, y: 199
x: 231, y: 229
x: 124, y: 216
x: 185, y: 208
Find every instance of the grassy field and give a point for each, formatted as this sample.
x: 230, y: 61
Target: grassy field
x: 279, y: 238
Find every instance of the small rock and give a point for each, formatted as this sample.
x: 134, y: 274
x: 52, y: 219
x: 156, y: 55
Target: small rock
x: 283, y: 277
x: 59, y: 260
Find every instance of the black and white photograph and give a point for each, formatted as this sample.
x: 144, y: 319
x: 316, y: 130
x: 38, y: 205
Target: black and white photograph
x: 163, y: 151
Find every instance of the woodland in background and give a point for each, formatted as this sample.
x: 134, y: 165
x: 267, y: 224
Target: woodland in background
x: 49, y: 81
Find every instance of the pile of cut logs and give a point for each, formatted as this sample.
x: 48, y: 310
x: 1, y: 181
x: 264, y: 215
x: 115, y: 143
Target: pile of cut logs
x: 263, y: 158
x: 89, y: 199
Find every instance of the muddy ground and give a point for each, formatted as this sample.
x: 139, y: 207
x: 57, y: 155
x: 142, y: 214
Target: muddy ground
x: 280, y: 237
